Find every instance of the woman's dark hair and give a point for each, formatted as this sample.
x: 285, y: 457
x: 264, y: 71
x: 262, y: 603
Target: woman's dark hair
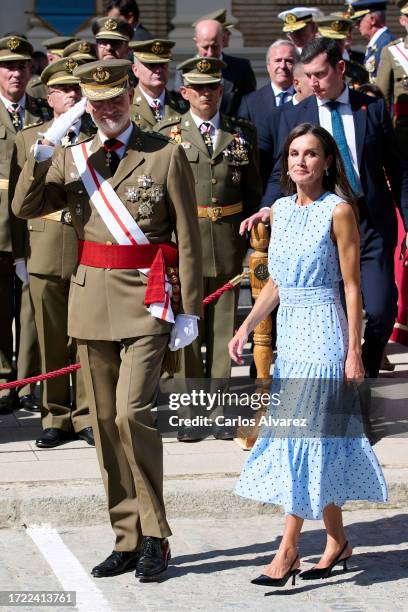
x: 374, y: 90
x: 335, y: 180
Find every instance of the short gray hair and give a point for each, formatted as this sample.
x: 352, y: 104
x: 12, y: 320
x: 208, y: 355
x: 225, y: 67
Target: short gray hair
x: 279, y: 43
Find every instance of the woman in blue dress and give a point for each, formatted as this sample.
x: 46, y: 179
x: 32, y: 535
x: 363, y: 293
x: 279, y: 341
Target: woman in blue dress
x: 314, y: 245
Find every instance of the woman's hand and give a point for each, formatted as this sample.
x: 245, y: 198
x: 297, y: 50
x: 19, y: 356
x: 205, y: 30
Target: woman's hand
x: 354, y: 369
x: 236, y: 345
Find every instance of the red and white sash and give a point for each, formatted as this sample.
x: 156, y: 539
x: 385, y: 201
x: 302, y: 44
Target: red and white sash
x: 399, y: 53
x: 117, y: 218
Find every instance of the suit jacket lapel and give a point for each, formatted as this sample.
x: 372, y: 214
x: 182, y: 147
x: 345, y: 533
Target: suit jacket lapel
x: 224, y: 137
x: 313, y: 110
x: 359, y: 111
x: 132, y: 158
x: 143, y: 108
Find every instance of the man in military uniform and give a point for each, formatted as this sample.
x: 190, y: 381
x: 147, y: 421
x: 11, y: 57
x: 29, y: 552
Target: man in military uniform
x: 112, y: 37
x: 55, y: 48
x: 152, y: 102
x: 371, y: 25
x: 52, y: 257
x: 392, y: 78
x: 16, y: 110
x: 127, y: 191
x: 299, y: 25
x: 223, y: 156
x: 81, y: 50
x: 340, y: 28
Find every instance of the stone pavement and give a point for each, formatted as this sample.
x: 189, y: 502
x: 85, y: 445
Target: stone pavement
x: 212, y: 565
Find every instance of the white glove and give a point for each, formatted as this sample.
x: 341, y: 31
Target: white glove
x: 21, y: 271
x: 42, y: 152
x: 183, y: 332
x: 60, y: 126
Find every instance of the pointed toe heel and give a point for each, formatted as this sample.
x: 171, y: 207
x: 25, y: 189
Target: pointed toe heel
x: 264, y: 580
x: 325, y: 572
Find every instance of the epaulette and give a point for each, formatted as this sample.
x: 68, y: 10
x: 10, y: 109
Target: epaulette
x: 395, y: 42
x: 31, y: 125
x: 73, y: 144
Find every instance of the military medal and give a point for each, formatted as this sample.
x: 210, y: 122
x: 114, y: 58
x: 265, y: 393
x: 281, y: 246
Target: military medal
x: 145, y: 209
x: 145, y: 181
x: 132, y: 193
x: 236, y: 176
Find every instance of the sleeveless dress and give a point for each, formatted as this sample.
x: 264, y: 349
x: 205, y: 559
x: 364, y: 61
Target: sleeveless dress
x: 331, y: 461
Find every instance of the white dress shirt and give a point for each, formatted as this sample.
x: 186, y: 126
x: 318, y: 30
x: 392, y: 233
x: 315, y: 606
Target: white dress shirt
x: 288, y: 93
x: 375, y: 37
x: 214, y: 122
x: 123, y: 137
x: 150, y: 100
x: 348, y: 124
x: 22, y: 103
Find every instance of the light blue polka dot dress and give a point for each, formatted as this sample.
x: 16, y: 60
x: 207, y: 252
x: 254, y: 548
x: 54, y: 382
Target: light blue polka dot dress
x: 304, y: 471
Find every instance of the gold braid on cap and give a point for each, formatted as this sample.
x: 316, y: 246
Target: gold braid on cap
x: 107, y: 86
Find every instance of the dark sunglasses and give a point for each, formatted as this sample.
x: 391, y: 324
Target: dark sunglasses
x: 201, y: 86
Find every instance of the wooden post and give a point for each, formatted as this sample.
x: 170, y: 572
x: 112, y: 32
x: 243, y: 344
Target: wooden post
x: 263, y: 352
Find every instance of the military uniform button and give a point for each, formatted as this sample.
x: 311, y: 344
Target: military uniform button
x: 214, y: 181
x: 214, y: 200
x: 80, y: 191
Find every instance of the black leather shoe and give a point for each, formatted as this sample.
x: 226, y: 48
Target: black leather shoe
x: 154, y: 558
x: 53, y: 437
x: 116, y: 563
x: 223, y: 432
x: 9, y: 402
x: 189, y: 434
x: 28, y: 402
x: 86, y: 434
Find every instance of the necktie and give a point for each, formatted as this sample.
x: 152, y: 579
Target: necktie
x: 205, y: 129
x: 156, y: 108
x: 339, y: 136
x: 14, y: 110
x: 280, y: 98
x: 112, y: 158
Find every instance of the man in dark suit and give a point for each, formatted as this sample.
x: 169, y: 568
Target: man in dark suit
x: 238, y: 76
x: 363, y: 132
x: 372, y: 27
x: 260, y: 106
x: 129, y: 10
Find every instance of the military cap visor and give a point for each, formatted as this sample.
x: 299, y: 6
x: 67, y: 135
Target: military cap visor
x: 369, y: 5
x: 61, y: 72
x: 202, y: 70
x: 15, y: 48
x: 403, y: 6
x: 112, y: 28
x: 334, y: 27
x: 81, y: 49
x: 155, y: 51
x: 219, y: 15
x: 102, y: 80
x: 293, y: 23
x: 57, y: 44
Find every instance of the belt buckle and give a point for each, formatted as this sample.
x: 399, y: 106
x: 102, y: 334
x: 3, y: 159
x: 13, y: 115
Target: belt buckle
x: 66, y: 217
x: 214, y: 213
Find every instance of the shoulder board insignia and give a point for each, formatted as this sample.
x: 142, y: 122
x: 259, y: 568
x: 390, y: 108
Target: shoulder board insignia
x: 31, y: 125
x: 80, y: 141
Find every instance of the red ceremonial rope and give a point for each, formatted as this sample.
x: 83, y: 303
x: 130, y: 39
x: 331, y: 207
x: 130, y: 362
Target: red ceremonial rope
x: 68, y: 369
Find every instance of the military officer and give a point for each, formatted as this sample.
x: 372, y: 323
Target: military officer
x: 392, y: 78
x: 55, y: 48
x: 112, y: 37
x: 339, y: 28
x: 223, y: 156
x: 372, y: 27
x: 299, y: 25
x: 52, y: 256
x: 152, y: 102
x: 82, y: 50
x: 16, y: 110
x: 127, y: 192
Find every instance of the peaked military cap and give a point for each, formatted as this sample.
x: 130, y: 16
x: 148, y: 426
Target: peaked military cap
x: 219, y: 15
x: 202, y: 70
x: 333, y: 26
x: 298, y: 17
x: 370, y: 5
x: 103, y: 80
x: 403, y: 6
x: 350, y: 13
x: 112, y: 28
x: 81, y: 49
x: 155, y: 51
x: 61, y: 72
x: 15, y: 48
x: 57, y: 44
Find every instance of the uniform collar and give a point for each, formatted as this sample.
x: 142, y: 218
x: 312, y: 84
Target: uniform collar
x: 149, y: 99
x: 215, y: 121
x: 376, y: 36
x: 7, y: 102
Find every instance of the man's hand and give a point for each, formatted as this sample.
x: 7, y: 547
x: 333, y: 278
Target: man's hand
x: 60, y: 126
x: 262, y: 216
x: 21, y: 271
x: 183, y: 332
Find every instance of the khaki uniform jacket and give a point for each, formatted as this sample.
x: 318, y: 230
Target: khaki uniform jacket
x: 221, y: 179
x: 51, y: 247
x: 142, y: 114
x: 11, y: 229
x: 393, y: 81
x: 107, y: 304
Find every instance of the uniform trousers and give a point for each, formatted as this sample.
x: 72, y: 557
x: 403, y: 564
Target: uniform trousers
x: 28, y: 353
x: 6, y: 314
x: 379, y: 294
x: 50, y: 300
x: 122, y: 381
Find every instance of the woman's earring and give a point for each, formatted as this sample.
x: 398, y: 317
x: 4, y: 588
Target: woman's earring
x: 326, y: 172
x: 288, y: 173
